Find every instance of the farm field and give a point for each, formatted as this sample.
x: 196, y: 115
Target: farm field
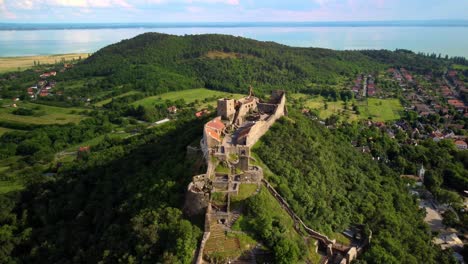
x: 103, y: 102
x: 377, y: 109
x: 189, y: 96
x: 44, y: 114
x: 13, y: 63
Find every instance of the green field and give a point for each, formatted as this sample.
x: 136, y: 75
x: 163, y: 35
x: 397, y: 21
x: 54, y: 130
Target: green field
x: 382, y: 109
x: 6, y: 187
x: 460, y: 67
x: 189, y: 96
x: 377, y: 109
x: 45, y: 114
x: 103, y: 102
x: 4, y: 130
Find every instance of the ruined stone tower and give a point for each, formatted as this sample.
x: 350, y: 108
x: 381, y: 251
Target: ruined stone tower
x: 226, y: 108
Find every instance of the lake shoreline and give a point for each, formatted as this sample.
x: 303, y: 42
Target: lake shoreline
x: 13, y: 63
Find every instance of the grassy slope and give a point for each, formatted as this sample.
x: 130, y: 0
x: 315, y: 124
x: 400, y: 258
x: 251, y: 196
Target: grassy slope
x: 4, y: 130
x: 52, y: 114
x: 188, y: 95
x: 13, y: 63
x: 103, y: 102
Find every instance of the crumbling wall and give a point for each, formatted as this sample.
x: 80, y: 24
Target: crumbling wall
x: 195, y: 201
x: 261, y: 127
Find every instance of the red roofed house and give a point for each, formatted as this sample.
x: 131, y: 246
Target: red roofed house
x: 452, y: 73
x: 461, y: 144
x: 459, y: 105
x: 446, y: 91
x: 202, y: 113
x: 213, y: 132
x: 44, y: 93
x: 82, y: 151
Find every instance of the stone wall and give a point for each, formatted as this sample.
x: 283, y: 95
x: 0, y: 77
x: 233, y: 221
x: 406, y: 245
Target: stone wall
x: 261, y: 127
x: 195, y: 201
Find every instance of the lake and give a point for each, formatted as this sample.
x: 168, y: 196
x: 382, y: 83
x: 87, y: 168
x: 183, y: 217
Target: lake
x: 452, y: 41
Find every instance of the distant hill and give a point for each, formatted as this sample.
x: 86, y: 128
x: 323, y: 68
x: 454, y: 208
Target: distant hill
x: 158, y: 63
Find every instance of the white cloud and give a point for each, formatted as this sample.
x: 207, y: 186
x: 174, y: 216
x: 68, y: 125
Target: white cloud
x: 4, y: 12
x: 228, y: 2
x: 34, y: 4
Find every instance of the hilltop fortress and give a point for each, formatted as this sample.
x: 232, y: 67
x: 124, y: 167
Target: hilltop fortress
x: 226, y: 146
x: 226, y: 142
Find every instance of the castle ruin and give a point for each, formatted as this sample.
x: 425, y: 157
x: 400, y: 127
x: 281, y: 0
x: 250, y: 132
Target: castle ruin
x: 226, y: 146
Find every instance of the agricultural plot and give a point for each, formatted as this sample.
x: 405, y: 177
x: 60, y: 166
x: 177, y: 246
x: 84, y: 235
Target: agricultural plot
x: 41, y: 114
x: 22, y: 63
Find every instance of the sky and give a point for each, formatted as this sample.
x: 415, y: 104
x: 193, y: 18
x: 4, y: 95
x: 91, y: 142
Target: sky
x: 126, y: 11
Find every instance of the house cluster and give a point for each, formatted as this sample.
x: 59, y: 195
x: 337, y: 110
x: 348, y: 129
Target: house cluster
x: 402, y: 76
x: 459, y: 92
x: 357, y: 84
x: 44, y: 87
x: 426, y: 101
x: 364, y: 85
x: 46, y: 75
x: 370, y: 86
x: 417, y: 133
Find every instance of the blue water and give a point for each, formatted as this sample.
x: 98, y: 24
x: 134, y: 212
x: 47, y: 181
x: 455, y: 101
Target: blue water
x: 449, y: 40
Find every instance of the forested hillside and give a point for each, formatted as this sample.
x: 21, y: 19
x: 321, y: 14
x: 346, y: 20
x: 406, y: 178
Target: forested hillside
x: 157, y: 63
x: 332, y: 186
x: 120, y: 203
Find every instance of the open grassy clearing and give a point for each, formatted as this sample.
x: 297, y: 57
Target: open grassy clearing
x: 44, y: 114
x: 103, y: 102
x: 460, y: 67
x: 8, y: 186
x: 13, y: 63
x: 377, y: 109
x: 216, y: 54
x: 383, y: 109
x: 3, y: 130
x: 189, y: 96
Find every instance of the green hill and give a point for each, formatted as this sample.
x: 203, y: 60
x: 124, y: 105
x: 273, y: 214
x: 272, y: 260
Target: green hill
x: 160, y: 63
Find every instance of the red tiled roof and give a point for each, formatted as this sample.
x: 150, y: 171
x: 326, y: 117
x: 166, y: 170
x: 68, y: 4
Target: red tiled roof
x: 212, y: 133
x: 83, y: 149
x: 216, y: 124
x: 456, y: 102
x: 460, y: 143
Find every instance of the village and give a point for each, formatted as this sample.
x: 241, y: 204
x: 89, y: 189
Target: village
x: 437, y: 101
x: 435, y: 107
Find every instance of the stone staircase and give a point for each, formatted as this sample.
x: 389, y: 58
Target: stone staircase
x: 234, y: 216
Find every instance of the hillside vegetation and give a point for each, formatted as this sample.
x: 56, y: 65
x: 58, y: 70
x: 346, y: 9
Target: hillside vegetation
x: 159, y: 63
x: 332, y: 186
